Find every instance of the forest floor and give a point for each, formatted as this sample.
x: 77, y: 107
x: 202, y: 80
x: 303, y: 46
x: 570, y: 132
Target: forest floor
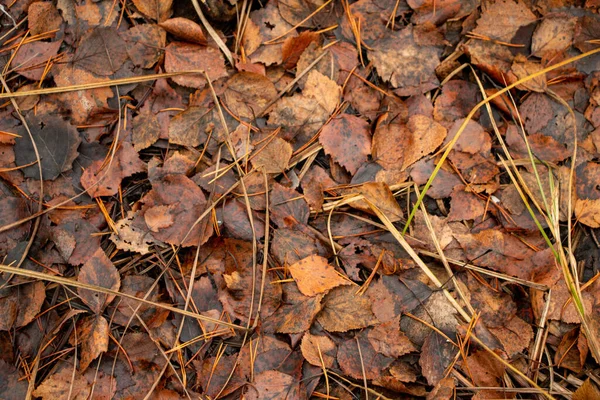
x: 294, y: 199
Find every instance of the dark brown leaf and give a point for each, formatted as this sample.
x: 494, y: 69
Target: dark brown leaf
x: 98, y: 271
x: 57, y: 142
x: 180, y: 56
x: 101, y: 51
x: 347, y: 140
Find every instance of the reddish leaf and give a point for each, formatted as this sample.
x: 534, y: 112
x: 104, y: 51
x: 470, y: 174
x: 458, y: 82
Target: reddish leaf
x: 146, y: 130
x: 31, y: 58
x: 184, y: 29
x: 387, y: 339
x: 274, y: 385
x: 502, y: 19
x: 43, y: 17
x: 297, y: 312
x: 98, y: 271
x: 436, y: 355
x: 181, y: 56
x: 166, y: 194
x: 103, y: 179
x: 347, y: 140
x: 294, y: 46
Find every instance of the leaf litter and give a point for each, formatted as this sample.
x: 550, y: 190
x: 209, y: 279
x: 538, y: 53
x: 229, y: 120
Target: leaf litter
x: 233, y: 231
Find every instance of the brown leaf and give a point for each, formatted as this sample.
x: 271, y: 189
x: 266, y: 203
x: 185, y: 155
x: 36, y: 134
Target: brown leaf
x: 43, y: 17
x: 101, y: 51
x: 83, y: 102
x: 158, y: 10
x: 144, y: 44
x: 64, y: 384
x: 316, y: 348
x: 515, y: 335
x: 465, y: 205
x: 296, y: 313
x: 391, y: 297
x: 57, y: 143
x: 502, y: 19
x: 92, y: 334
x: 408, y: 66
x: 380, y: 195
x: 387, y: 339
x: 293, y: 47
x: 553, y: 35
x: 587, y: 207
x: 247, y: 93
x: 169, y: 191
x: 572, y: 351
x: 525, y: 68
x: 98, y: 271
x: 444, y: 390
x: 347, y: 140
x: 314, y: 275
x: 188, y: 128
x: 288, y: 208
x: 11, y: 386
x: 132, y: 234
x: 485, y: 370
x: 185, y: 29
x: 355, y: 353
x: 587, y: 391
x: 146, y: 130
x: 31, y: 58
x: 99, y: 181
x: 180, y: 56
x: 273, y: 385
x: 344, y: 310
x: 21, y: 305
x: 265, y: 24
x: 436, y: 355
x: 273, y: 157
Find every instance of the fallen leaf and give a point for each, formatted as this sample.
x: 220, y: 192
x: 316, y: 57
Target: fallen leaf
x: 318, y: 350
x: 144, y: 44
x: 436, y: 355
x: 408, y: 66
x: 263, y: 25
x: 56, y: 141
x: 314, y: 275
x: 360, y: 360
x: 31, y: 58
x: 180, y: 56
x: 347, y: 140
x: 169, y: 191
x: 43, y: 17
x: 587, y: 391
x: 185, y: 29
x: 247, y: 93
x: 158, y: 10
x: 104, y: 179
x: 502, y: 19
x: 101, y: 51
x: 146, y: 130
x: 344, y: 310
x: 188, y: 128
x: 553, y: 35
x: 387, y: 339
x: 297, y: 312
x: 98, y: 271
x: 273, y: 157
x: 92, y: 335
x: 273, y: 385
